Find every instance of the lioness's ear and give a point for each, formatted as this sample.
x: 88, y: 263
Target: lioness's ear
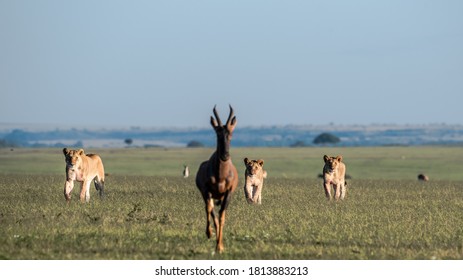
x: 65, y: 151
x: 260, y: 162
x: 80, y: 151
x: 339, y: 158
x: 325, y: 158
x: 246, y: 160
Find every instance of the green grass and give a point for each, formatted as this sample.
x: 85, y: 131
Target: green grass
x: 439, y: 163
x: 151, y: 212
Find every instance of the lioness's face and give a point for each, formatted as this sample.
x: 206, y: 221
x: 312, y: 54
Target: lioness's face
x: 72, y: 158
x: 253, y: 166
x: 332, y: 162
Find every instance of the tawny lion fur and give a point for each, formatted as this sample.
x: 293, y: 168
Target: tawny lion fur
x: 83, y: 168
x: 254, y: 180
x: 334, y: 173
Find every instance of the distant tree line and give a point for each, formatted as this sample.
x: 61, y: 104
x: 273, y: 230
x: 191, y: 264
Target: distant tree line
x: 7, y: 144
x: 322, y: 139
x: 270, y: 136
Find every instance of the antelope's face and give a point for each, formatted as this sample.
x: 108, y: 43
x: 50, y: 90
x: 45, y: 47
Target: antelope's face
x: 224, y: 133
x: 224, y: 137
x: 332, y: 163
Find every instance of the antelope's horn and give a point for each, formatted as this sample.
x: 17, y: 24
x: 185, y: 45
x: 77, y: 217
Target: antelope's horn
x: 230, y: 116
x: 217, y: 117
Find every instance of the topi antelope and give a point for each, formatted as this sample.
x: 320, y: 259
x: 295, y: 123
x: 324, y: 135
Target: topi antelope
x: 217, y: 178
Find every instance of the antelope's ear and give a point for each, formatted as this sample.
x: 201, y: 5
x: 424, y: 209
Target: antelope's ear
x: 260, y: 162
x: 246, y: 160
x: 65, y: 151
x: 214, y: 122
x: 326, y: 158
x: 339, y: 158
x: 231, y: 125
x: 80, y: 151
x: 233, y: 121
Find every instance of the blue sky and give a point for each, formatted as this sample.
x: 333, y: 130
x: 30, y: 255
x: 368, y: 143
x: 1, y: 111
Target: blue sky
x: 167, y: 63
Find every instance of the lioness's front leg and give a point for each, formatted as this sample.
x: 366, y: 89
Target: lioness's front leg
x: 337, y: 191
x: 248, y: 193
x: 327, y: 186
x: 257, y: 195
x: 343, y: 190
x: 68, y: 186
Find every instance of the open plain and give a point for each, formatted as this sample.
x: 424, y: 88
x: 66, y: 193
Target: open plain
x: 152, y: 212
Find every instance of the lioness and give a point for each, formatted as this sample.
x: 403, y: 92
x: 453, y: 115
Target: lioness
x: 83, y: 168
x: 334, y: 173
x: 254, y: 180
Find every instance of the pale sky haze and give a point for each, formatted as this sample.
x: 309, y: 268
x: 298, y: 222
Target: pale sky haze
x: 167, y: 63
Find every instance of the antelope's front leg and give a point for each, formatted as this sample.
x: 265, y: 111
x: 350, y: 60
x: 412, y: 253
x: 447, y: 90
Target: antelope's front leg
x: 68, y: 186
x: 85, y: 191
x: 209, y: 215
x: 219, y: 247
x: 226, y: 200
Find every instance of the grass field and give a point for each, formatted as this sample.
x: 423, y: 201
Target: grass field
x: 151, y: 212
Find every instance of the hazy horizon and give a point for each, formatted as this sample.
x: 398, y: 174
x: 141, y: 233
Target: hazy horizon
x: 4, y: 127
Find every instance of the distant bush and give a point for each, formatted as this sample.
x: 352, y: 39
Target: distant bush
x: 298, y: 144
x: 195, y: 144
x: 326, y: 138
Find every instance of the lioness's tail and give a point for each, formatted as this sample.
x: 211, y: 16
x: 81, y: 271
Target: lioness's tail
x: 99, y: 186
